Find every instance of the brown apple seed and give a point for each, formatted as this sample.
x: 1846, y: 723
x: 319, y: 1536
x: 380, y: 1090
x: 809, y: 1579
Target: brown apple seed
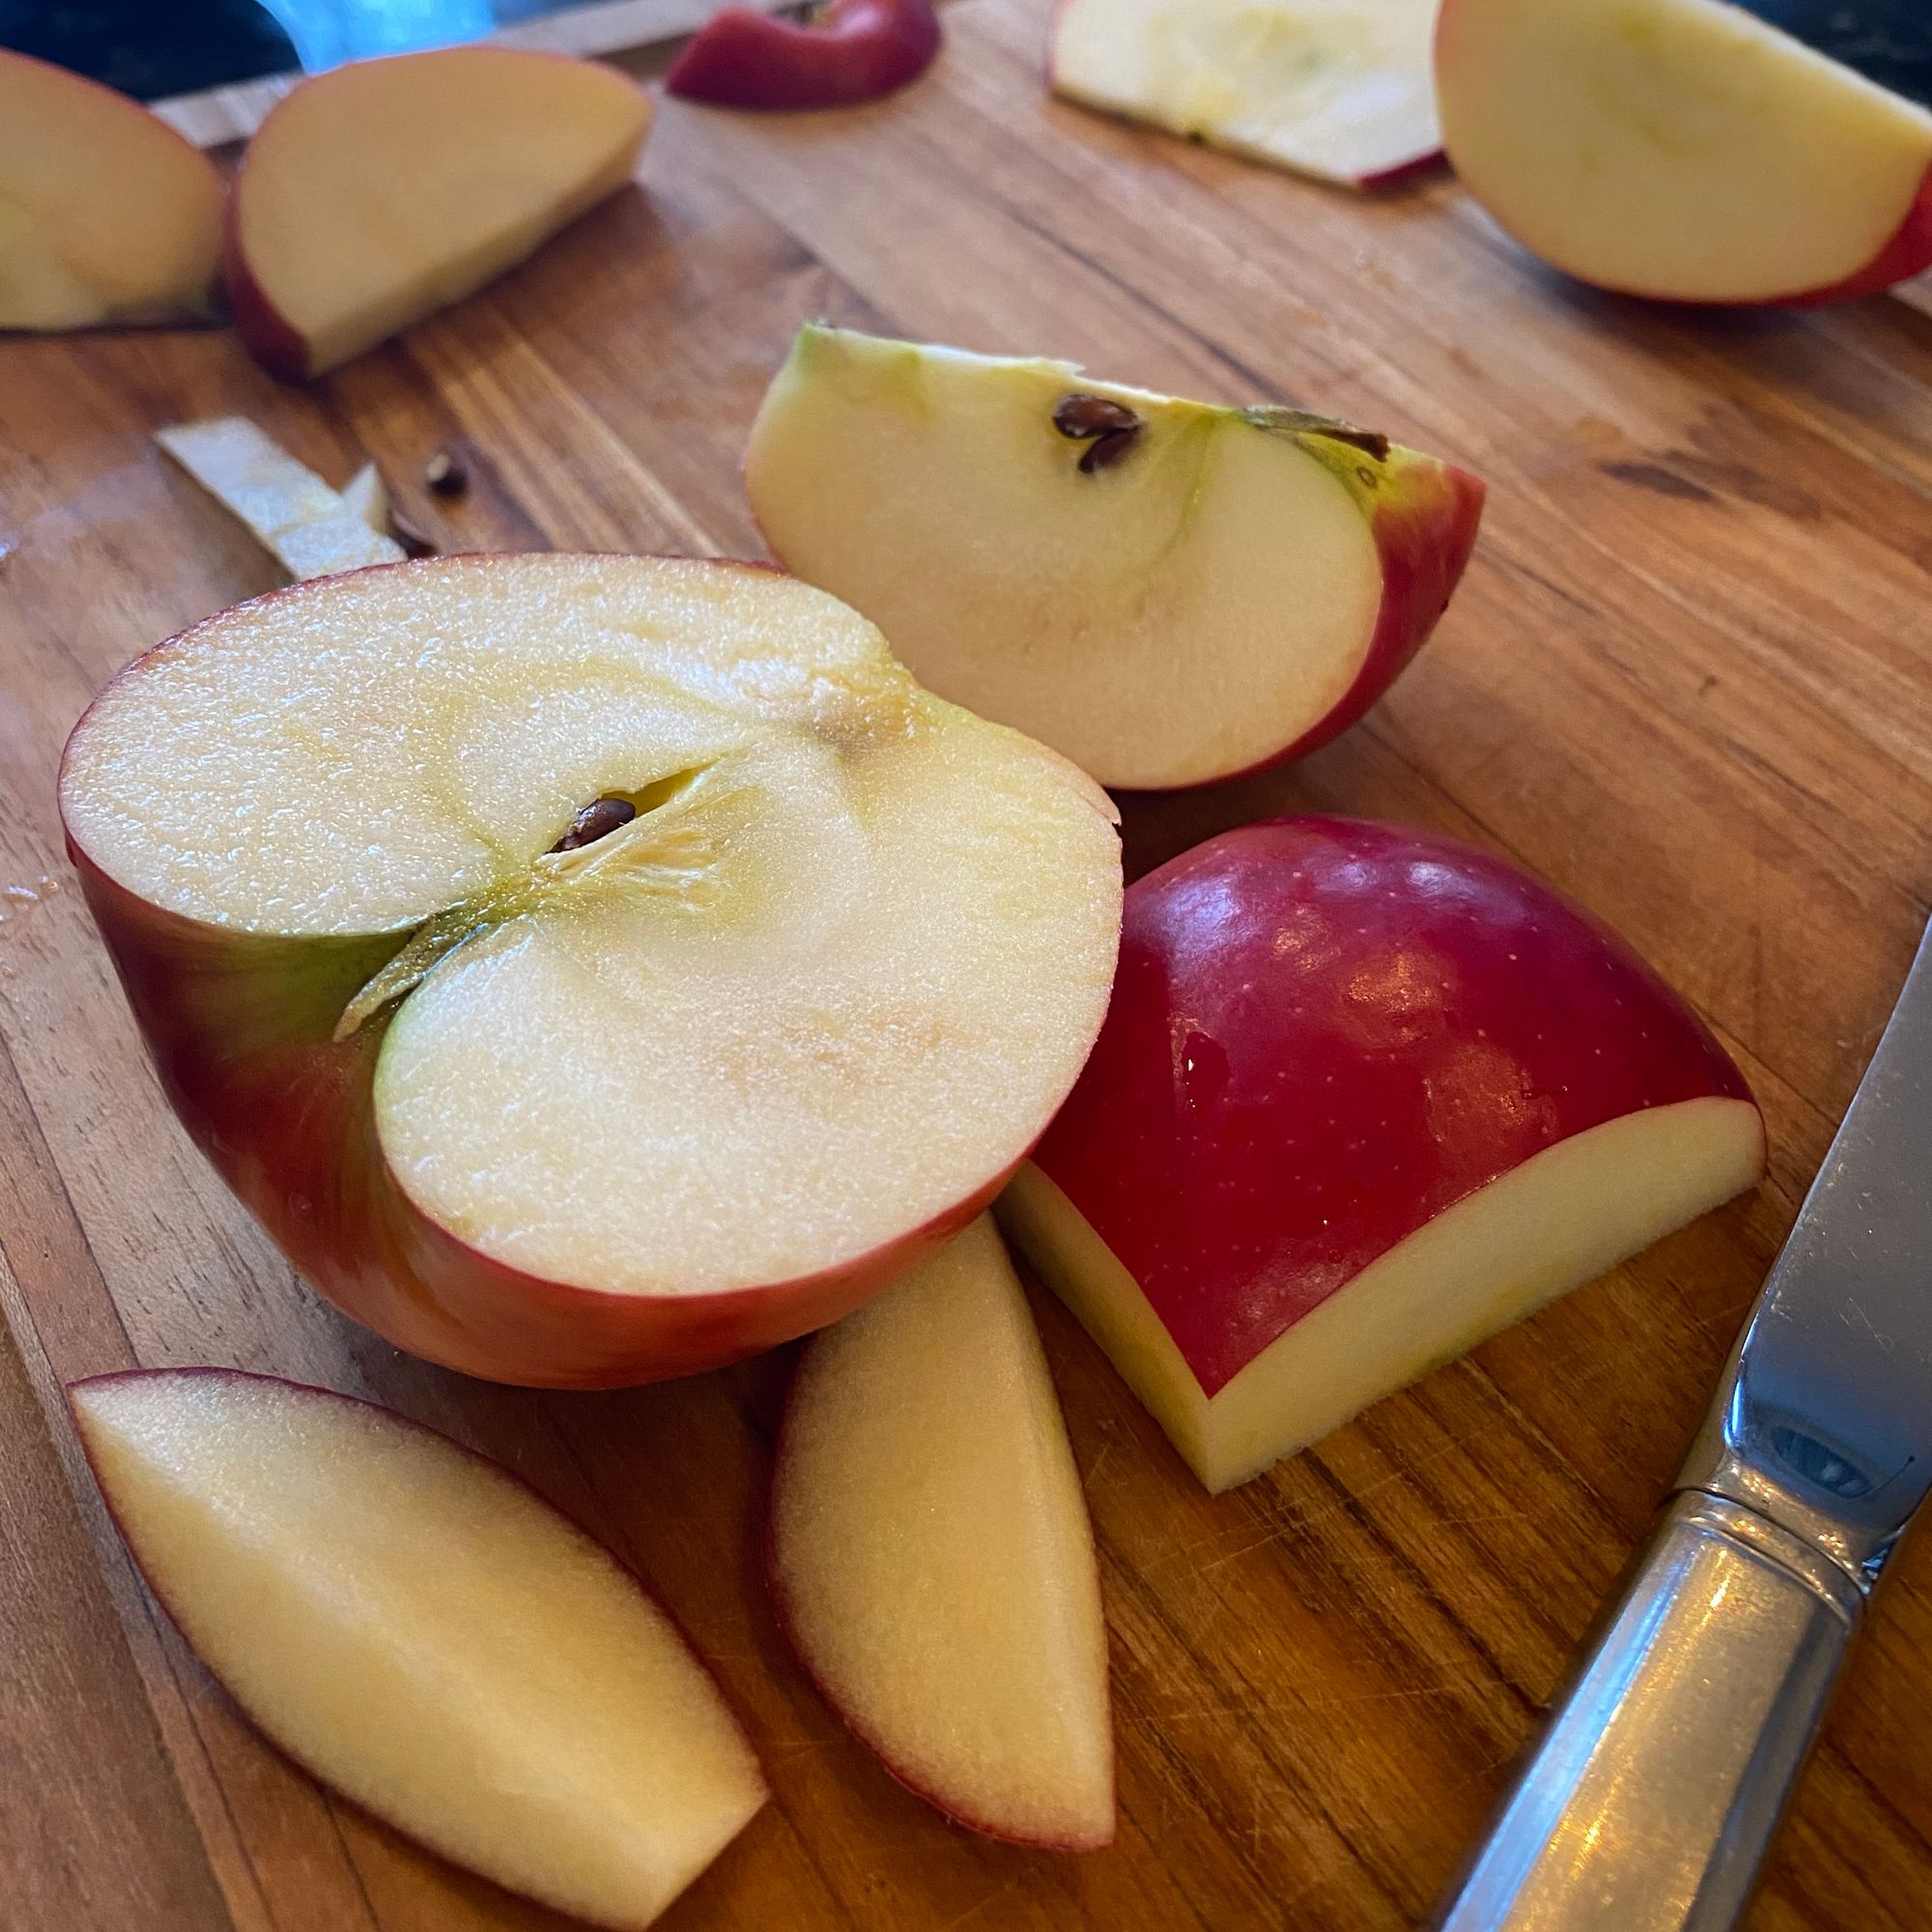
x: 1079, y: 416
x: 1108, y: 450
x: 598, y: 819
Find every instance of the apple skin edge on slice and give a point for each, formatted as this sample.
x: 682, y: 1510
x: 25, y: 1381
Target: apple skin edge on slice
x: 1790, y: 179
x: 425, y: 1635
x: 851, y: 52
x: 1168, y: 592
x: 1365, y: 1096
x: 572, y: 1112
x: 931, y: 1555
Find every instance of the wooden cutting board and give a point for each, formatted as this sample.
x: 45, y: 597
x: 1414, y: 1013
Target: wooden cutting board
x: 1686, y: 679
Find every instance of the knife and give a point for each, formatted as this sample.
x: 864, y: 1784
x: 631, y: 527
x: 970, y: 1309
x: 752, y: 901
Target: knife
x: 1649, y: 1801
x: 1889, y: 41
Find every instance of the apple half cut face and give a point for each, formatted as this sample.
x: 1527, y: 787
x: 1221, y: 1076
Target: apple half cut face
x: 590, y: 969
x: 379, y: 191
x: 1168, y: 592
x: 932, y: 1558
x: 1337, y: 89
x: 425, y: 1635
x: 1365, y: 1096
x: 1683, y: 150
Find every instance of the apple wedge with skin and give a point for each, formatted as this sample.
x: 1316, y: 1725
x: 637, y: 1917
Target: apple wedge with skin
x: 851, y: 52
x: 1365, y: 1096
x: 589, y: 969
x: 377, y: 193
x: 1337, y: 89
x: 425, y: 1635
x: 107, y: 216
x: 932, y: 1558
x: 1168, y: 592
x: 1683, y: 150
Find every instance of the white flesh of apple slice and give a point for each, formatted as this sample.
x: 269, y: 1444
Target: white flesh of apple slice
x: 1339, y: 89
x: 309, y: 530
x: 1541, y: 1230
x: 931, y: 1554
x: 366, y: 498
x: 1676, y: 148
x: 426, y: 1634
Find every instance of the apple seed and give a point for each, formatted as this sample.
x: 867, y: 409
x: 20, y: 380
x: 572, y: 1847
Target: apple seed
x: 598, y: 819
x: 1080, y: 416
x: 445, y: 474
x: 1107, y: 450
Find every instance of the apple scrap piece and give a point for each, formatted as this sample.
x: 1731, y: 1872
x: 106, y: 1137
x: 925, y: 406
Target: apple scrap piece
x: 309, y: 529
x: 426, y: 1634
x: 932, y: 1558
x: 1168, y: 592
x: 1337, y: 89
x: 851, y: 52
x: 1365, y: 1095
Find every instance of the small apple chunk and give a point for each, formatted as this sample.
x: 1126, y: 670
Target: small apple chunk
x: 1683, y: 150
x: 1365, y: 1096
x: 1337, y: 89
x: 853, y: 51
x: 1166, y: 591
x: 425, y: 1635
x: 377, y: 193
x: 106, y: 215
x: 589, y: 968
x: 931, y: 1556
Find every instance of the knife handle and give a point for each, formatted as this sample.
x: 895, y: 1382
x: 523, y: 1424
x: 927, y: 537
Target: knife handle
x: 1649, y: 1801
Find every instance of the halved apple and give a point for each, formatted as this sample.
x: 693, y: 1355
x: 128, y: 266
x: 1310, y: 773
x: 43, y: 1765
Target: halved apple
x: 1166, y: 591
x: 931, y: 1556
x: 1365, y: 1096
x: 379, y: 191
x: 1337, y: 89
x: 1684, y: 149
x: 590, y: 969
x: 106, y: 215
x: 426, y: 1634
x: 851, y: 51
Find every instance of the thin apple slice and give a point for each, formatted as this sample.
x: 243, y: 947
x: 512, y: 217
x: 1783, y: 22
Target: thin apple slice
x: 303, y: 524
x: 106, y: 215
x: 366, y: 498
x: 1166, y: 591
x: 1337, y: 89
x: 931, y: 1556
x: 377, y: 193
x: 425, y: 1635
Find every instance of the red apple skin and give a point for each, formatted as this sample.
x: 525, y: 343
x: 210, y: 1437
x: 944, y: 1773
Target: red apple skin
x: 1323, y: 1032
x: 266, y: 334
x: 857, y: 50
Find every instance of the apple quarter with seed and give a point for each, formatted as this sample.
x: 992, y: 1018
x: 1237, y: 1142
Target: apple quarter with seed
x: 1365, y: 1095
x: 629, y: 1108
x: 1167, y: 591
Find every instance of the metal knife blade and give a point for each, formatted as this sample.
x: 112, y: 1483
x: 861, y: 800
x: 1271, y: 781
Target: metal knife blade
x: 1889, y: 41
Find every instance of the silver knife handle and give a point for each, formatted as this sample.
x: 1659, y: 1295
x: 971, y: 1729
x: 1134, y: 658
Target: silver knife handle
x: 1650, y: 1799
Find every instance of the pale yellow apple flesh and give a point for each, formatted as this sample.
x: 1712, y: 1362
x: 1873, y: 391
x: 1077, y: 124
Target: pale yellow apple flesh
x: 379, y: 191
x: 426, y: 1634
x: 1541, y: 1230
x: 1339, y: 89
x: 1676, y: 148
x: 106, y: 215
x: 932, y: 1558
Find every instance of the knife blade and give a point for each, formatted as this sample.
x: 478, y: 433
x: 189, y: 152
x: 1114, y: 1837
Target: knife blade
x: 1650, y: 1799
x: 1889, y: 41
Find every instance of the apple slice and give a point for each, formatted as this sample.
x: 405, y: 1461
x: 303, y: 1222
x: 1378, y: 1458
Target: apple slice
x: 425, y: 1635
x: 589, y: 968
x: 377, y: 193
x: 1365, y: 1096
x: 1035, y: 544
x: 853, y: 51
x: 931, y: 1556
x: 1337, y: 89
x: 1683, y: 148
x: 106, y: 215
x: 366, y: 498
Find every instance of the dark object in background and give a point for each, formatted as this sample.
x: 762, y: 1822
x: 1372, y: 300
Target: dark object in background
x: 1886, y: 41
x: 151, y: 51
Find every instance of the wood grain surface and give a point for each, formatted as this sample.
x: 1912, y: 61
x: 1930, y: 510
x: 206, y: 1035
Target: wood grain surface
x: 1686, y: 679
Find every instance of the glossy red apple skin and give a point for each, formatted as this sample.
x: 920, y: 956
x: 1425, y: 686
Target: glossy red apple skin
x: 1323, y: 1032
x: 857, y: 50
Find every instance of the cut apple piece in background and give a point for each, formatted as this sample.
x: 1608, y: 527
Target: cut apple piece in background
x: 853, y: 51
x: 931, y: 1556
x: 377, y: 193
x: 366, y: 498
x: 426, y: 1634
x: 1365, y: 1096
x: 1339, y: 89
x: 630, y: 1109
x: 106, y: 215
x: 1683, y: 148
x: 1166, y: 591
